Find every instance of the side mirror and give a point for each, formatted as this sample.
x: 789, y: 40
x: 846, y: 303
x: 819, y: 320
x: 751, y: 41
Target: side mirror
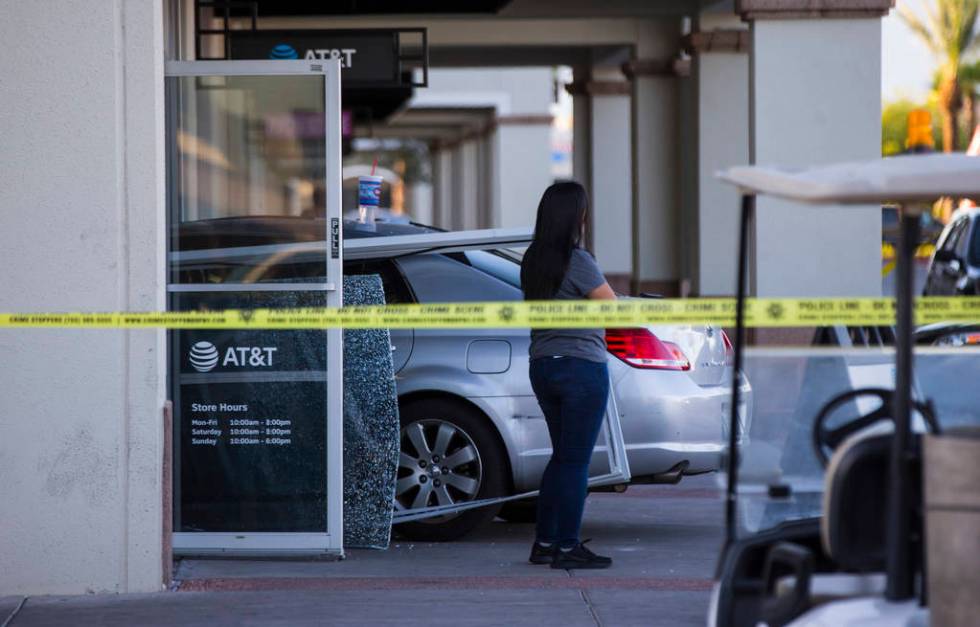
x: 943, y: 255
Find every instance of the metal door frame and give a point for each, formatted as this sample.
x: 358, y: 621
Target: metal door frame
x: 331, y: 540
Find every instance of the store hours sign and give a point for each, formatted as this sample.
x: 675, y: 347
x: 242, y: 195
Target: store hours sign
x: 252, y: 431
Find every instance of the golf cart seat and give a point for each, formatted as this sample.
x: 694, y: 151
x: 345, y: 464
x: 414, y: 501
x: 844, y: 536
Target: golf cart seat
x: 853, y: 527
x: 852, y: 534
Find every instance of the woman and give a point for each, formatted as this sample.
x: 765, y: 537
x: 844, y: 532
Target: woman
x: 568, y: 374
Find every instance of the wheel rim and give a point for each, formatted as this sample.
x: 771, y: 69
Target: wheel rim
x: 439, y: 464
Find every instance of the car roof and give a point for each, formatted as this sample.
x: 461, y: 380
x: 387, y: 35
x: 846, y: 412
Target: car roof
x: 259, y: 237
x: 972, y: 213
x: 266, y: 230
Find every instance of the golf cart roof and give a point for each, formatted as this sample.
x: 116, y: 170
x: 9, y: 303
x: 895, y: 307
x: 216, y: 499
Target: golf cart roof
x: 908, y: 178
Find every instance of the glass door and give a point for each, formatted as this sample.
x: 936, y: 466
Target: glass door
x: 254, y: 177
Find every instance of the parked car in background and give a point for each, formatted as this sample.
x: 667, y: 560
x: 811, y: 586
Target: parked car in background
x: 471, y: 426
x: 955, y: 266
x: 951, y: 334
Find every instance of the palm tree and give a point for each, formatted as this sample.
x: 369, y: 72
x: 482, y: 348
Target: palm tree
x: 949, y: 32
x: 970, y: 78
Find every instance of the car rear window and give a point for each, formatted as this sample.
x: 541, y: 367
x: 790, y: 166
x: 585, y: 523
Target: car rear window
x: 441, y: 279
x: 496, y: 266
x: 395, y: 288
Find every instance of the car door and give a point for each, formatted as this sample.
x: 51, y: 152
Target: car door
x: 972, y: 282
x: 959, y: 266
x: 482, y: 357
x: 945, y: 268
x: 953, y: 265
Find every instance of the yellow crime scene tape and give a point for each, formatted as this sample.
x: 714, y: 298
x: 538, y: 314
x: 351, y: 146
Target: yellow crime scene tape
x: 759, y: 312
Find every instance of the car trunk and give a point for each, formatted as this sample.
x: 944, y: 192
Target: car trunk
x: 704, y: 347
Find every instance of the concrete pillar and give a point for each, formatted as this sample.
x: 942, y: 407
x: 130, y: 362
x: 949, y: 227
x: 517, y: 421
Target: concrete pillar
x: 720, y: 73
x: 434, y: 192
x: 82, y: 229
x: 814, y: 103
x: 688, y: 223
x: 442, y: 186
x: 526, y: 171
x: 453, y: 215
x: 581, y: 129
x: 492, y: 148
x: 656, y: 231
x: 602, y: 162
x: 487, y: 179
x: 468, y: 211
x: 420, y: 202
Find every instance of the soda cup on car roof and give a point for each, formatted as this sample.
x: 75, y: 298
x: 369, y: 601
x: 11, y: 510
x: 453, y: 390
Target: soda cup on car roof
x: 368, y: 198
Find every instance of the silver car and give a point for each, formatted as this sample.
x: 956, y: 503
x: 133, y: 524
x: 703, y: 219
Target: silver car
x: 471, y: 426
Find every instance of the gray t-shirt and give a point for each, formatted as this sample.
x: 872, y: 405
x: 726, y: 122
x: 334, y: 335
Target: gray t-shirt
x: 582, y: 277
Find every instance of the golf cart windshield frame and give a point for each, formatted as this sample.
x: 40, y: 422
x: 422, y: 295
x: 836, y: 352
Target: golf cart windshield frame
x: 908, y: 181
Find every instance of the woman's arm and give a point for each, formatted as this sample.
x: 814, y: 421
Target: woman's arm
x: 603, y: 292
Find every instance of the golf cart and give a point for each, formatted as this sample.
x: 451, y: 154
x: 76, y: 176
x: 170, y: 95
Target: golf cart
x: 855, y: 510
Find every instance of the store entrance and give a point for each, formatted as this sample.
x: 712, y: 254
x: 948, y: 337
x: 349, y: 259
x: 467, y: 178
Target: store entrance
x: 253, y: 173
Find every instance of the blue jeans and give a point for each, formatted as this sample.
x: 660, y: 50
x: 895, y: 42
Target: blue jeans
x: 572, y: 393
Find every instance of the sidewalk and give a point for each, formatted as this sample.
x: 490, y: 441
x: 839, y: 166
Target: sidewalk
x: 664, y: 541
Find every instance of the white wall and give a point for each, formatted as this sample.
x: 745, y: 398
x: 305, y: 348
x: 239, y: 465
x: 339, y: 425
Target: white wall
x: 602, y: 159
x: 524, y: 165
x: 816, y: 89
x: 81, y: 229
x: 510, y: 90
x: 517, y: 161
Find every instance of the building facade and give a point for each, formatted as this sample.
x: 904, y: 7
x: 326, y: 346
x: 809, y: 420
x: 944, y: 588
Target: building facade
x: 665, y: 94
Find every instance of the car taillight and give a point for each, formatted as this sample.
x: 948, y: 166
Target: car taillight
x: 640, y: 348
x: 729, y: 350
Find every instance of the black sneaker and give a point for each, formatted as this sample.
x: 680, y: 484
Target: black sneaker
x: 542, y: 554
x: 579, y: 557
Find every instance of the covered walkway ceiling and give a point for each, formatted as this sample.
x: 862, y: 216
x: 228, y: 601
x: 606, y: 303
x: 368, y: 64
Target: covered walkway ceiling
x: 500, y: 33
x: 448, y: 8
x: 527, y: 55
x: 434, y: 124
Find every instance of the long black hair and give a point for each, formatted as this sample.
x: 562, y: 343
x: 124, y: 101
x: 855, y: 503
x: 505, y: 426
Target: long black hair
x: 557, y: 232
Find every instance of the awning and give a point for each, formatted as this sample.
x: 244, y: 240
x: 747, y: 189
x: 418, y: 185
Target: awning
x: 908, y: 178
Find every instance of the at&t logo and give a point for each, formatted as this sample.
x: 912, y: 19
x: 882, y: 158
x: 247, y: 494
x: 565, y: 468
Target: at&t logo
x: 204, y: 356
x: 286, y: 52
x: 283, y: 51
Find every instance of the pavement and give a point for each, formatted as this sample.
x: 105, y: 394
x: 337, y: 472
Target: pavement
x: 664, y: 540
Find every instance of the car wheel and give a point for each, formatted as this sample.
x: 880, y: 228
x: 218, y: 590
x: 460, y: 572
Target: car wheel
x: 450, y: 454
x: 520, y: 512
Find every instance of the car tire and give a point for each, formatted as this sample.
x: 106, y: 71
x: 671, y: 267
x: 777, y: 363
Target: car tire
x: 520, y: 512
x: 449, y: 430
